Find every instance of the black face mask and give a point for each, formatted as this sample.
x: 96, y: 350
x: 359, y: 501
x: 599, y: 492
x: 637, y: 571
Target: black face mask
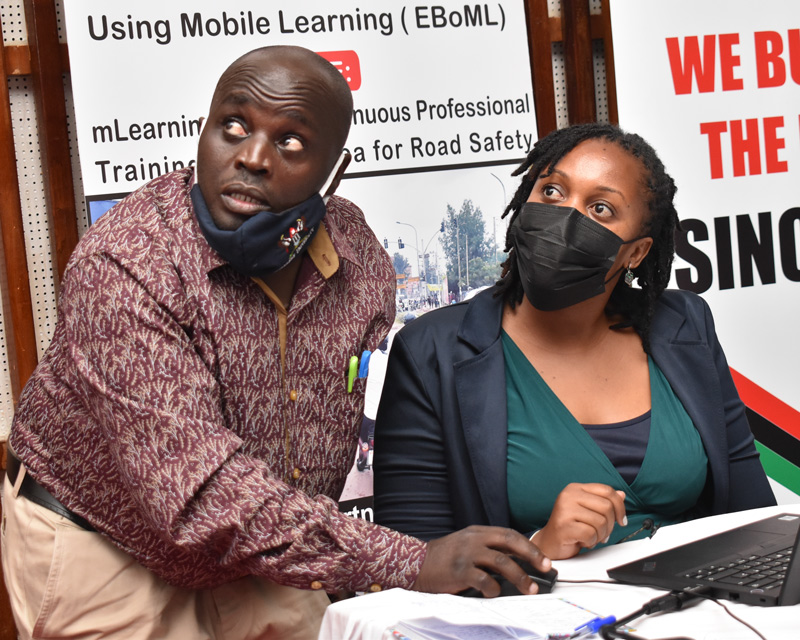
x: 563, y: 257
x: 267, y: 241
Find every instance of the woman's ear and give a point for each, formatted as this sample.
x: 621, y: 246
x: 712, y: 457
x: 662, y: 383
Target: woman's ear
x: 640, y: 251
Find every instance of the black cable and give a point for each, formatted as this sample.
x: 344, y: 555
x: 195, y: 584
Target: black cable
x: 629, y: 636
x: 673, y: 601
x: 734, y: 616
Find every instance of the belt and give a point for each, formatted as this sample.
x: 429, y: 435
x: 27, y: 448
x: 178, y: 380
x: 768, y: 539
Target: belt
x: 35, y: 492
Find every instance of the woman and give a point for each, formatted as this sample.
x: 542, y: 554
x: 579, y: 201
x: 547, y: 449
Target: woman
x: 565, y: 402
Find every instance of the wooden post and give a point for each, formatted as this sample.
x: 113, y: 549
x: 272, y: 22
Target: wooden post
x: 578, y: 61
x: 51, y: 112
x: 540, y: 47
x: 17, y: 307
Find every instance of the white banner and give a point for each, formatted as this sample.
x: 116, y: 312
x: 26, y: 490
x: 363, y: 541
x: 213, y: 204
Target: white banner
x: 715, y: 87
x: 444, y: 86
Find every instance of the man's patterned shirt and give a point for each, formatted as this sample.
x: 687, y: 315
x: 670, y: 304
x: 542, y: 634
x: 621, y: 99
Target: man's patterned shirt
x: 162, y: 415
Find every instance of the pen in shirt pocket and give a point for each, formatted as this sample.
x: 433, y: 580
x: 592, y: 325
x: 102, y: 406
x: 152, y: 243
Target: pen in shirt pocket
x: 352, y: 372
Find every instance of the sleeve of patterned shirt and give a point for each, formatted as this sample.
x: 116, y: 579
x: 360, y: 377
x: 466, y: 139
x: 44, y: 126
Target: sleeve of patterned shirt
x: 168, y: 482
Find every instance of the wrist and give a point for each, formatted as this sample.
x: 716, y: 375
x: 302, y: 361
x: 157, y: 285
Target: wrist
x: 549, y: 547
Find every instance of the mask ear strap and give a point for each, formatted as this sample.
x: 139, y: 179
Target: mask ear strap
x: 331, y: 177
x: 635, y: 239
x: 203, y: 121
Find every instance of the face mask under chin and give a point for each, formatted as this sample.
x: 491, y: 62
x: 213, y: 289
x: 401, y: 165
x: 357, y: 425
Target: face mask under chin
x: 267, y: 241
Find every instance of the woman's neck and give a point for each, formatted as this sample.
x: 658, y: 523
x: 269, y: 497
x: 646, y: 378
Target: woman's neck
x: 580, y: 327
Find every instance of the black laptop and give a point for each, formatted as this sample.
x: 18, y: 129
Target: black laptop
x: 755, y: 564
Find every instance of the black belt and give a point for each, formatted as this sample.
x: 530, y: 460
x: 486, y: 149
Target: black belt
x: 35, y: 492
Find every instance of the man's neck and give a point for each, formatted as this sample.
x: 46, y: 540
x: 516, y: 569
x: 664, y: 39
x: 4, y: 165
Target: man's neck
x: 282, y: 282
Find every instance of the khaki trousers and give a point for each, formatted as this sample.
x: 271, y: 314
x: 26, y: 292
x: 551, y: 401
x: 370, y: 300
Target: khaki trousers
x: 64, y: 581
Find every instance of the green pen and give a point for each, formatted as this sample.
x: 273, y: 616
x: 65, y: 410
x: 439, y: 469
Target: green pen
x: 352, y: 372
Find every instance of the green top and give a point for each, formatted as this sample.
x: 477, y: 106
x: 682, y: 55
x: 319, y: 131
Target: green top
x: 548, y: 448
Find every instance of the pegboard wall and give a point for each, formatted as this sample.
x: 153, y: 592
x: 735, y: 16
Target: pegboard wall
x: 32, y: 192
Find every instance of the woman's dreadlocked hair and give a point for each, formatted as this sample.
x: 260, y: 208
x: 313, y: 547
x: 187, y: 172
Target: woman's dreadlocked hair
x: 635, y: 306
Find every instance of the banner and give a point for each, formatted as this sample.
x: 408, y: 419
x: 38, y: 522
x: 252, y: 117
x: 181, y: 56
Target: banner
x: 443, y: 105
x: 715, y: 88
x: 441, y: 93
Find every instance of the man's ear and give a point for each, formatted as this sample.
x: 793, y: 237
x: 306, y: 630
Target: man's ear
x: 342, y: 164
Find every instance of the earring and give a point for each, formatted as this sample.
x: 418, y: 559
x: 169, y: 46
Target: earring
x: 629, y: 276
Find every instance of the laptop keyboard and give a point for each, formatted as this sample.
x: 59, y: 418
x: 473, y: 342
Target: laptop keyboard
x: 755, y: 572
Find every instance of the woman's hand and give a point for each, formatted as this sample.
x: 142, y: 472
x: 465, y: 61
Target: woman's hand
x: 583, y: 515
x: 462, y: 559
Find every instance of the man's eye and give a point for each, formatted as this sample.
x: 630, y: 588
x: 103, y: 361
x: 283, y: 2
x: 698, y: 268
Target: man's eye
x: 235, y: 128
x: 292, y: 143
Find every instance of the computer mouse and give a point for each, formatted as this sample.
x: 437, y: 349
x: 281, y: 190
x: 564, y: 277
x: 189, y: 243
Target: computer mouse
x: 546, y: 581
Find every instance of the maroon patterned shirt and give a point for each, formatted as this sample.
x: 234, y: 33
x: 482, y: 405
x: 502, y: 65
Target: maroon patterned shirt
x: 162, y: 415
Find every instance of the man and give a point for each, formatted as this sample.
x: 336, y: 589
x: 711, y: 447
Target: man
x: 194, y: 396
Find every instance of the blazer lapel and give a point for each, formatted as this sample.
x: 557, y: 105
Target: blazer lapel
x: 481, y: 392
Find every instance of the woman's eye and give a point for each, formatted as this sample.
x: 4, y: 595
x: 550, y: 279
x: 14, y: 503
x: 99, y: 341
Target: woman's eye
x: 602, y: 210
x: 550, y: 191
x: 235, y: 128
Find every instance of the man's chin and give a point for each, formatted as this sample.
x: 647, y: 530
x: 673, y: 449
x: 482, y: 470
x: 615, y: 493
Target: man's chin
x: 227, y: 220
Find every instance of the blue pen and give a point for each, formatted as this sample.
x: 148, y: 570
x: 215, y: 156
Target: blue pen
x: 363, y: 367
x: 593, y: 626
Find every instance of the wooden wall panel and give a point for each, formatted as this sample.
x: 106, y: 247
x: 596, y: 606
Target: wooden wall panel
x: 541, y: 58
x: 576, y: 28
x: 51, y: 113
x: 18, y: 310
x: 578, y: 61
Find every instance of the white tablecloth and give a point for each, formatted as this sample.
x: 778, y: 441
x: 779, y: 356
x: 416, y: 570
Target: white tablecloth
x: 369, y: 617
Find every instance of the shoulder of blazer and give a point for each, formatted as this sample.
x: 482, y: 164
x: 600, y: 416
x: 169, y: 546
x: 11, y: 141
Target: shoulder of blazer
x: 475, y: 323
x: 482, y: 320
x: 680, y: 316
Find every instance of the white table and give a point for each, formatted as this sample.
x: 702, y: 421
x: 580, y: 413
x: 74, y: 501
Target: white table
x: 368, y: 617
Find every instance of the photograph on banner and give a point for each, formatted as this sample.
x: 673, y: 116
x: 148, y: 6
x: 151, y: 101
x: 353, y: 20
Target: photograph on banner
x: 443, y: 113
x: 715, y: 88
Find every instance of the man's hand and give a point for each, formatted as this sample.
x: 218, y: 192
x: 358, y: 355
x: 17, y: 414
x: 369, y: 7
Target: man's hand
x: 461, y: 560
x: 583, y: 515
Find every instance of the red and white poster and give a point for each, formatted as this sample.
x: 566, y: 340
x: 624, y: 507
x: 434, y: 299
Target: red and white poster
x: 715, y: 88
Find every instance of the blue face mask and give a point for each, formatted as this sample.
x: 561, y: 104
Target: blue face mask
x: 267, y: 241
